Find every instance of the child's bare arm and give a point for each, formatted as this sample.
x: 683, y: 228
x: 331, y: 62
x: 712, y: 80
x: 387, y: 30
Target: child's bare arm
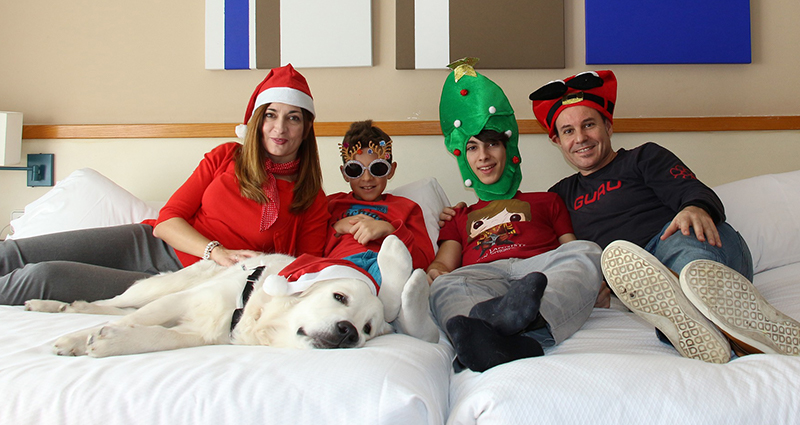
x: 566, y: 237
x: 447, y: 259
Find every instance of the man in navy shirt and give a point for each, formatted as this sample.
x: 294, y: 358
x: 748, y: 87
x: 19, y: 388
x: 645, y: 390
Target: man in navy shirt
x: 653, y: 216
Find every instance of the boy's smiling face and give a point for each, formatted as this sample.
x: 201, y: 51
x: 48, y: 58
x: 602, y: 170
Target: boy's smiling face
x: 487, y: 159
x: 368, y: 187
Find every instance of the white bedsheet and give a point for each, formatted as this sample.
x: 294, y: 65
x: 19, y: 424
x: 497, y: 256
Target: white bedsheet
x: 614, y: 370
x: 394, y: 380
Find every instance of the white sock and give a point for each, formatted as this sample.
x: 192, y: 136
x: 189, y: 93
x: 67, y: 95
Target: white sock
x: 395, y: 264
x: 415, y: 314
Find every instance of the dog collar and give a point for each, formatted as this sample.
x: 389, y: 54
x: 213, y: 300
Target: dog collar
x: 246, y: 292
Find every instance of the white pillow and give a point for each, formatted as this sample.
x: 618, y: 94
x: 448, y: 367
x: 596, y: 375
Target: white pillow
x: 766, y: 211
x: 83, y: 200
x: 430, y: 197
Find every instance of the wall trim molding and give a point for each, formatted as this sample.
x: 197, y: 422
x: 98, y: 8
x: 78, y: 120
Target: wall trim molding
x: 400, y: 128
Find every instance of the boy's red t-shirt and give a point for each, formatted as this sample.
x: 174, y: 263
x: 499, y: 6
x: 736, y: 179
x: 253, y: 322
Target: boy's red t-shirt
x: 404, y: 214
x: 529, y: 224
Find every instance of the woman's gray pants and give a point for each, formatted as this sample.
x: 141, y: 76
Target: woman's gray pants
x: 90, y: 264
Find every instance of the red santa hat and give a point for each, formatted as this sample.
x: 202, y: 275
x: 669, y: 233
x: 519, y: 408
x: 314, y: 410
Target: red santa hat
x: 283, y: 85
x: 595, y: 89
x: 307, y: 270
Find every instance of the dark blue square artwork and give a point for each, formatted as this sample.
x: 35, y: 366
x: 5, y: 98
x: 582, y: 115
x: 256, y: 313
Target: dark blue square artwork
x: 667, y: 31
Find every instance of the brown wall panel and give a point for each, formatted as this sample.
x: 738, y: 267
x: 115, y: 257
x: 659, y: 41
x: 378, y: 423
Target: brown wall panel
x: 404, y: 54
x: 508, y: 34
x: 268, y: 34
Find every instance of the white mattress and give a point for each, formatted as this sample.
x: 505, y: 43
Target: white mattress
x: 394, y: 380
x: 614, y: 370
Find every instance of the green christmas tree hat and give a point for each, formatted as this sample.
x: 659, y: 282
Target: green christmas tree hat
x: 470, y: 103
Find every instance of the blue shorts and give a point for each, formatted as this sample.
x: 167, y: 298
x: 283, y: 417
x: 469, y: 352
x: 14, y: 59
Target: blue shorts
x: 367, y: 260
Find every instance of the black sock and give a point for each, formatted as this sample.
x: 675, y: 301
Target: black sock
x: 458, y: 366
x: 511, y: 313
x: 479, y: 347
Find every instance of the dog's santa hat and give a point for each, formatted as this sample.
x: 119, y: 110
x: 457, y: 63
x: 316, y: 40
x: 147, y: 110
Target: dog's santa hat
x: 283, y: 85
x: 307, y: 270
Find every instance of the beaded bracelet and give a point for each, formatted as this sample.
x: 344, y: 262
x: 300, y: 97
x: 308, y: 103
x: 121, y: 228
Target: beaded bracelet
x: 210, y: 247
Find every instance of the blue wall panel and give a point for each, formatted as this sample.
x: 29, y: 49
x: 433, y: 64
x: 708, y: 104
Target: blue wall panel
x: 667, y: 31
x: 237, y: 34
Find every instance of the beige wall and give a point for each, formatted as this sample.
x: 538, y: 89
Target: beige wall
x: 81, y: 62
x: 97, y: 62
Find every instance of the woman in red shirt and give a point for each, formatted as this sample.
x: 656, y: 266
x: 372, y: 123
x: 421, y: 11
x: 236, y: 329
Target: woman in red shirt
x: 261, y: 196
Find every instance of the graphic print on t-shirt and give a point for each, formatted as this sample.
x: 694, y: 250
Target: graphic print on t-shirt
x: 681, y: 171
x: 368, y: 210
x: 493, y: 225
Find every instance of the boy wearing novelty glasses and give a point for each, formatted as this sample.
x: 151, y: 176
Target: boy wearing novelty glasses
x: 362, y: 219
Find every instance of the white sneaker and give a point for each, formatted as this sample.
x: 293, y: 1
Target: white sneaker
x: 738, y: 309
x: 652, y: 291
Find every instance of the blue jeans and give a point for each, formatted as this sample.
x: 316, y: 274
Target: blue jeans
x: 679, y: 250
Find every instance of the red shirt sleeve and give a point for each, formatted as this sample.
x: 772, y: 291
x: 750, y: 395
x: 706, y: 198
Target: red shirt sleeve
x: 185, y: 202
x: 412, y: 231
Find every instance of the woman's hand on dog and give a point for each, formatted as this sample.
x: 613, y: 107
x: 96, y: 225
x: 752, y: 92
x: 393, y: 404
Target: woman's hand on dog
x: 228, y: 257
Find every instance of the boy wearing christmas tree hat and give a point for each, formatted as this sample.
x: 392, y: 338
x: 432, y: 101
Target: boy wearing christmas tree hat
x: 505, y: 281
x: 469, y: 104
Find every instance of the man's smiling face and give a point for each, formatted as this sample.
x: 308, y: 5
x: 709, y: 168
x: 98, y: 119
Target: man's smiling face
x: 585, y: 138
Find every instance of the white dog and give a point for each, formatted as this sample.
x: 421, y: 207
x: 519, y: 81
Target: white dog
x: 198, y: 306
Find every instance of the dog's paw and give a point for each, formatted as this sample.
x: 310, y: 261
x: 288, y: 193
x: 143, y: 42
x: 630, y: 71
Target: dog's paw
x: 110, y: 340
x: 71, y: 345
x: 45, y: 306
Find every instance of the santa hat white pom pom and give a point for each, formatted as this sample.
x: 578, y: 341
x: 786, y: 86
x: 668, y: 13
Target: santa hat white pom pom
x: 241, y: 131
x: 276, y: 285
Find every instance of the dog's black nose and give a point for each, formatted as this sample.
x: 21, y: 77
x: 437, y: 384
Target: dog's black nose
x: 348, y: 334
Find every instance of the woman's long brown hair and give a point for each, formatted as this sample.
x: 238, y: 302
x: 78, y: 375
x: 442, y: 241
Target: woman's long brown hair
x: 252, y: 156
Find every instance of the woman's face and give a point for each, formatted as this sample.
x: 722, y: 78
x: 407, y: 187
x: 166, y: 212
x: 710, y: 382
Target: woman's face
x: 282, y: 131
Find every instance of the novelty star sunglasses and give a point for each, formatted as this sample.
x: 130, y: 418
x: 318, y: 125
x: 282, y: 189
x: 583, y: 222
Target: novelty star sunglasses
x: 555, y: 89
x: 378, y: 168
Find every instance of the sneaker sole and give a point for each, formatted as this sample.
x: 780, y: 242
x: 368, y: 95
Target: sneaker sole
x: 741, y: 312
x: 653, y: 292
